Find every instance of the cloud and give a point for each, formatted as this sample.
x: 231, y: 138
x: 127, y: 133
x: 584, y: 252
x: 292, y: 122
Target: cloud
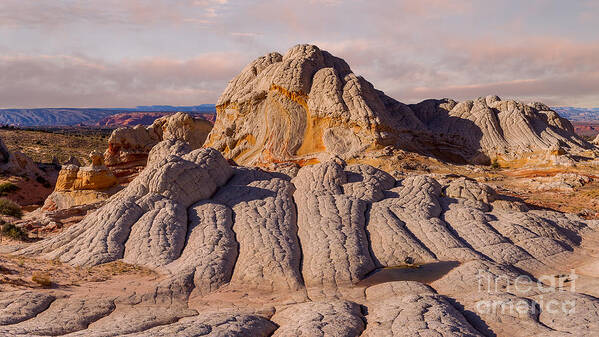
x: 551, y: 91
x: 36, y: 81
x: 59, y: 13
x: 552, y: 69
x: 410, y: 49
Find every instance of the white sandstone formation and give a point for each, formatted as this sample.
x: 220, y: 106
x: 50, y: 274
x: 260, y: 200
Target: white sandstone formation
x: 217, y: 231
x: 128, y: 148
x: 241, y: 251
x: 308, y: 106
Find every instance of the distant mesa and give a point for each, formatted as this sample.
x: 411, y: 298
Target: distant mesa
x: 307, y: 106
x: 131, y: 119
x: 47, y: 117
x: 578, y: 114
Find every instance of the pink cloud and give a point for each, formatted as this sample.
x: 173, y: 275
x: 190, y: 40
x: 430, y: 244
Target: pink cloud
x: 50, y: 14
x: 555, y: 90
x: 34, y: 81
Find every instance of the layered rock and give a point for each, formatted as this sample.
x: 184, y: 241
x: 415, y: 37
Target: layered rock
x: 128, y: 148
x: 503, y: 129
x: 131, y: 119
x: 94, y: 177
x: 307, y: 105
x: 244, y: 251
x: 302, y: 243
x: 77, y: 186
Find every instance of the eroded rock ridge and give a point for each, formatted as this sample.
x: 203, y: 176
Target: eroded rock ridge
x: 307, y: 106
x: 305, y: 241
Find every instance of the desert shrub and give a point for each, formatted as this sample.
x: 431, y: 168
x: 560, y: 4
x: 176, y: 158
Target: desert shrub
x: 8, y: 187
x: 8, y: 207
x: 43, y: 181
x: 495, y: 164
x: 41, y: 279
x: 13, y: 232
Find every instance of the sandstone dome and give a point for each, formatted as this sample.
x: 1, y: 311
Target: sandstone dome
x: 271, y: 252
x: 307, y: 106
x: 244, y: 251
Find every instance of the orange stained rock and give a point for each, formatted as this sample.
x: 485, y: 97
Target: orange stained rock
x: 94, y: 180
x: 72, y: 178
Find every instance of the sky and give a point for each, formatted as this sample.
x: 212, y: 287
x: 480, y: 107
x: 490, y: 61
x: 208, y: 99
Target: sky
x: 124, y: 53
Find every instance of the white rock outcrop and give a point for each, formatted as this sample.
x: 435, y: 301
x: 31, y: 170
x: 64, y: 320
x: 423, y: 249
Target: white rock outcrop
x: 307, y: 105
x: 306, y: 241
x: 128, y: 148
x: 242, y: 251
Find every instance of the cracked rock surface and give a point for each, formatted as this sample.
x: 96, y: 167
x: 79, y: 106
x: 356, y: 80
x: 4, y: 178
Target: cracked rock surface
x: 246, y: 252
x: 308, y: 105
x: 243, y: 251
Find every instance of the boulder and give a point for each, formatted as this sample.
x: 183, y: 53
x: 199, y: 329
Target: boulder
x: 77, y: 186
x: 94, y: 177
x: 128, y: 148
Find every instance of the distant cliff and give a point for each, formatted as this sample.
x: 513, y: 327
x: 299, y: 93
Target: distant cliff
x: 145, y: 118
x: 578, y: 114
x: 86, y: 116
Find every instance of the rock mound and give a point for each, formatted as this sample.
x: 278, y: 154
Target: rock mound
x: 244, y: 251
x: 128, y: 148
x: 307, y: 106
x: 243, y: 240
x: 77, y: 186
x: 94, y: 177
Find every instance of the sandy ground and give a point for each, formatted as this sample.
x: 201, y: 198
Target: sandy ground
x: 17, y: 273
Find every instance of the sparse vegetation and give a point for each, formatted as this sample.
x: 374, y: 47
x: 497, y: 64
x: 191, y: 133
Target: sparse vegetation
x: 13, y: 232
x: 495, y: 164
x: 7, y: 188
x: 42, y: 144
x: 120, y: 267
x: 42, y: 279
x: 10, y: 208
x: 43, y: 181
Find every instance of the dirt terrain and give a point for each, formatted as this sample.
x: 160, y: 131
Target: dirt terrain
x: 42, y: 145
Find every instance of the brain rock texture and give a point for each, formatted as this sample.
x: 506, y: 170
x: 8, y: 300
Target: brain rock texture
x: 307, y: 106
x: 300, y: 244
x: 292, y: 251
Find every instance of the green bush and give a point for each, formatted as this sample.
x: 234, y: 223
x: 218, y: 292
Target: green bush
x: 6, y: 188
x: 14, y: 232
x: 8, y: 207
x: 42, y: 279
x: 495, y: 164
x: 43, y: 181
